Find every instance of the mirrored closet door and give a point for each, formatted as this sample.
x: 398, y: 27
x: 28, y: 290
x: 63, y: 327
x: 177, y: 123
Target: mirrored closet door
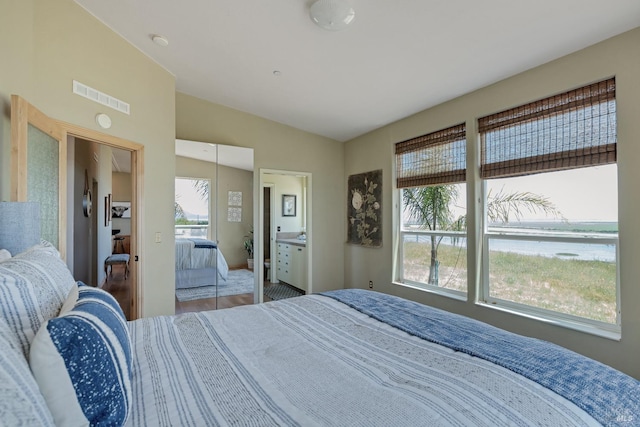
x: 213, y: 226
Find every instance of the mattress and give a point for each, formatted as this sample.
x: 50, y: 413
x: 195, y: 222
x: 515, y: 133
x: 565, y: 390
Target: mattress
x: 314, y: 360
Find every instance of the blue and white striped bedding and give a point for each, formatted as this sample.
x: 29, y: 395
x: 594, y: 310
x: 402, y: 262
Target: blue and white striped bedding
x: 313, y: 360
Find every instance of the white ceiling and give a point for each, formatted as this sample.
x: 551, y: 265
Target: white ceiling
x: 397, y: 58
x: 227, y: 155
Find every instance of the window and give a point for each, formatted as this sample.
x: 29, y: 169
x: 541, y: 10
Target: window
x: 192, y: 208
x: 551, y: 232
x: 431, y: 171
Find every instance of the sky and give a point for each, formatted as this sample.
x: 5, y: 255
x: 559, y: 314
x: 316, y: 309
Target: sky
x: 581, y: 195
x: 584, y: 194
x: 189, y: 199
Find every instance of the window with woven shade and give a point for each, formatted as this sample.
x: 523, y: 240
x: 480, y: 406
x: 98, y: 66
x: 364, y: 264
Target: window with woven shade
x: 435, y: 158
x: 550, y: 240
x: 570, y: 130
x: 431, y: 174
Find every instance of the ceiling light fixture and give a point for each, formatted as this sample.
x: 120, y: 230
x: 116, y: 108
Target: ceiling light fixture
x: 332, y: 15
x: 160, y: 40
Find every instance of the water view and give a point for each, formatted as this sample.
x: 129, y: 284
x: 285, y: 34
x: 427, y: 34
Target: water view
x: 565, y: 250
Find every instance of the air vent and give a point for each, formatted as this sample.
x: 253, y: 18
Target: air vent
x: 100, y: 97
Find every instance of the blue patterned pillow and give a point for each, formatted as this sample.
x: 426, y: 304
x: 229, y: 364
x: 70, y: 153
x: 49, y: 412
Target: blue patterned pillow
x: 81, y: 360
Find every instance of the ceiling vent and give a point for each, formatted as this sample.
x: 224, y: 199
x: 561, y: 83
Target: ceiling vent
x: 100, y: 97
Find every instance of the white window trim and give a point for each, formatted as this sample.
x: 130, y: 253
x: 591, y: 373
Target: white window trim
x: 399, y: 276
x: 594, y: 327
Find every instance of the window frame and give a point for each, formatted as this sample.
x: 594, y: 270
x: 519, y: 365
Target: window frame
x: 209, y: 228
x: 399, y: 276
x: 478, y: 236
x: 595, y: 102
x: 583, y: 324
x: 410, y: 173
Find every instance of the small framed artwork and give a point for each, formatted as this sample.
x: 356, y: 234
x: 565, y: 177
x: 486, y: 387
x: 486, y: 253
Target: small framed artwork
x: 235, y: 198
x: 107, y: 210
x: 234, y: 214
x: 288, y: 205
x: 121, y: 210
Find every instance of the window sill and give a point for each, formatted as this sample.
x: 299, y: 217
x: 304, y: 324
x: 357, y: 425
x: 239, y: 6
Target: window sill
x: 613, y: 333
x: 460, y: 296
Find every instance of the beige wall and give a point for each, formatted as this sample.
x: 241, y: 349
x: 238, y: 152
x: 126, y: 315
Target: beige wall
x: 618, y: 56
x: 229, y: 235
x: 293, y: 185
x: 44, y: 46
x: 281, y: 147
x: 121, y: 192
x: 121, y: 183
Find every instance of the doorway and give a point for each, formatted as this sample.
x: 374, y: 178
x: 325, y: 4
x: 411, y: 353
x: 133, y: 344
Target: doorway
x: 31, y: 127
x: 285, y: 205
x: 108, y: 230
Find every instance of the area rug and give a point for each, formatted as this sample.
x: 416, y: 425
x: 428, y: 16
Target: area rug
x: 278, y: 291
x: 238, y: 282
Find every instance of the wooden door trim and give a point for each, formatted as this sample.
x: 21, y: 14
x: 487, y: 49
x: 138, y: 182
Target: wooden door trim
x: 137, y: 172
x: 22, y: 114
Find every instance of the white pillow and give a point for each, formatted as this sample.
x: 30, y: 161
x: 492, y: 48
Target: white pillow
x: 82, y: 360
x: 4, y: 255
x: 21, y: 402
x: 33, y: 286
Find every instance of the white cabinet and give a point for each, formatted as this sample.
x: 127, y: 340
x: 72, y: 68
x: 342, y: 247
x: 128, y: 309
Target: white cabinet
x: 292, y: 265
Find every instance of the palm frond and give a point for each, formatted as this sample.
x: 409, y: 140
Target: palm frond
x: 179, y: 212
x: 503, y: 206
x: 202, y: 188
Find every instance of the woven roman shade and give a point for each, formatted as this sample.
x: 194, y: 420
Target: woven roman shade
x: 436, y: 158
x: 571, y: 130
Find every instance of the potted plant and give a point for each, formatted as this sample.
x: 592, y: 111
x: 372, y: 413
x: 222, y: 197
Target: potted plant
x: 248, y: 246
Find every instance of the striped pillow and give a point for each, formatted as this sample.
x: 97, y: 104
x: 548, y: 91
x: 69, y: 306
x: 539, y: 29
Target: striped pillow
x: 82, y: 360
x: 33, y: 286
x: 21, y: 402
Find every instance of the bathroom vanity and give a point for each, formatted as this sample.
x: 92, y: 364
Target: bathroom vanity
x: 292, y: 262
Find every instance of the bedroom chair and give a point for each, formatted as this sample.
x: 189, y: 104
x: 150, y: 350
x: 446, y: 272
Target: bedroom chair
x: 116, y: 259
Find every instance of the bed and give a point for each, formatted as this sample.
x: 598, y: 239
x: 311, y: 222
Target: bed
x: 199, y: 262
x: 348, y: 357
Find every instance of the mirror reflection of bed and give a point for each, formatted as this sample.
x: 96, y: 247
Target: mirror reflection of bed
x: 214, y: 214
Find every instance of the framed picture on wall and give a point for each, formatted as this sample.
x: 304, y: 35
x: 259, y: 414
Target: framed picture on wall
x: 121, y: 210
x: 288, y: 205
x: 364, y: 209
x: 107, y: 210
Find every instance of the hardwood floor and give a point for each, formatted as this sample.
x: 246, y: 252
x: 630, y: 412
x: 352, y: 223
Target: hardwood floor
x: 120, y: 287
x: 223, y: 302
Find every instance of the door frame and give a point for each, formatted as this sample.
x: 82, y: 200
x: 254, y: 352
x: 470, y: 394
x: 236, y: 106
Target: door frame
x: 272, y: 227
x: 137, y: 211
x: 258, y: 296
x: 23, y: 113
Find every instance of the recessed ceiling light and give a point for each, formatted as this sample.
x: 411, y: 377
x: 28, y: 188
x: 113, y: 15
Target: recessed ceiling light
x: 160, y: 40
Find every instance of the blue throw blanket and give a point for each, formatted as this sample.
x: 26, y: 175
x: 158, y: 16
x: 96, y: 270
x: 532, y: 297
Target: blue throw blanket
x: 203, y: 243
x: 608, y: 395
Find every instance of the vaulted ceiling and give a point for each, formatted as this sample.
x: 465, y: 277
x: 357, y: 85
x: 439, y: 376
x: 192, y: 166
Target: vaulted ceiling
x: 396, y: 58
